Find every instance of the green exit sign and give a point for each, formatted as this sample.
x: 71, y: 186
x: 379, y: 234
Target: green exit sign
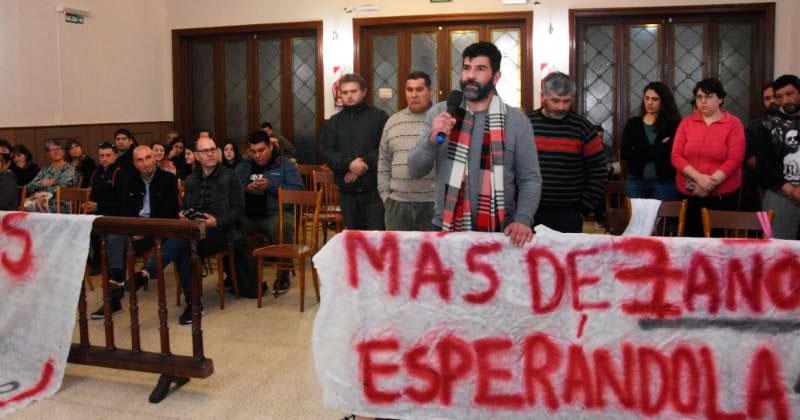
x: 73, y: 18
x: 441, y: 1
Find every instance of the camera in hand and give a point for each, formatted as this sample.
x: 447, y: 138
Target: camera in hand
x: 193, y: 214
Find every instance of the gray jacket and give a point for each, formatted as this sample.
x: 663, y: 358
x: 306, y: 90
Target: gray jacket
x: 521, y: 178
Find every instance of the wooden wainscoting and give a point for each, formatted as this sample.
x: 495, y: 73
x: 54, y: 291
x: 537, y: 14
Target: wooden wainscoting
x: 90, y: 135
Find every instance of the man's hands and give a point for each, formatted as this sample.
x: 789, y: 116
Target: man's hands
x: 257, y: 186
x: 442, y: 123
x: 90, y: 207
x: 47, y: 182
x: 518, y: 233
x: 357, y: 168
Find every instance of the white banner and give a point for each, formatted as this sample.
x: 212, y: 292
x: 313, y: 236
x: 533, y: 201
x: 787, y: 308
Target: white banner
x: 459, y: 326
x: 42, y: 260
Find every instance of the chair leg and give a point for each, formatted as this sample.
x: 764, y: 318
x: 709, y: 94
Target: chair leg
x: 234, y: 278
x: 87, y: 278
x: 301, y: 263
x: 259, y: 278
x: 315, y: 277
x: 221, y: 280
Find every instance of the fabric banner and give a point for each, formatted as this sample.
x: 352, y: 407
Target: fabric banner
x: 464, y: 325
x: 42, y: 261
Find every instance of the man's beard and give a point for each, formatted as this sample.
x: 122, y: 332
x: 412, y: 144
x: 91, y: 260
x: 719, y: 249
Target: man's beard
x: 556, y: 115
x: 774, y: 109
x: 790, y: 108
x: 481, y: 93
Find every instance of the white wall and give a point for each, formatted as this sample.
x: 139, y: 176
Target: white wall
x: 110, y: 69
x: 117, y: 67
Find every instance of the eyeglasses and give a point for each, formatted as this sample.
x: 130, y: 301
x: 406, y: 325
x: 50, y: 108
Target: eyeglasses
x: 701, y: 97
x: 54, y: 149
x: 208, y: 151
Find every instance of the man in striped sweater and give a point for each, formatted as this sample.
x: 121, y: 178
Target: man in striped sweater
x: 408, y: 202
x: 571, y: 158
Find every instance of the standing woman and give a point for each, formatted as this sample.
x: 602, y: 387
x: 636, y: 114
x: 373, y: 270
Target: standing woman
x: 58, y: 173
x: 230, y: 154
x: 23, y: 167
x: 708, y: 155
x: 647, y: 146
x: 84, y: 165
x: 159, y: 154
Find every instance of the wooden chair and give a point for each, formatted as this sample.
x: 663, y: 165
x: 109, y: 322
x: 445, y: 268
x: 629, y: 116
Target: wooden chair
x: 219, y: 259
x: 303, y: 204
x: 75, y: 196
x: 671, y: 218
x: 307, y: 173
x: 618, y: 207
x: 734, y: 224
x: 23, y: 193
x: 330, y: 213
x: 181, y: 192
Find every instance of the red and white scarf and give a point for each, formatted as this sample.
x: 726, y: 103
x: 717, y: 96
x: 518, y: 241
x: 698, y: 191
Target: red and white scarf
x: 456, y: 215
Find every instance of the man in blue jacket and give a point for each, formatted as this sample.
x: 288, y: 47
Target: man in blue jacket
x: 261, y: 176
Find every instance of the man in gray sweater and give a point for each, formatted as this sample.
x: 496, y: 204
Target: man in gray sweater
x: 487, y: 168
x: 407, y: 202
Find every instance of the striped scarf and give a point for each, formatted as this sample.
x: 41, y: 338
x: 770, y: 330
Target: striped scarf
x: 456, y: 215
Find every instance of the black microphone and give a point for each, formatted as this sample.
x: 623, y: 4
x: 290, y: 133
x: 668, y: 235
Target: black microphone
x: 453, y: 103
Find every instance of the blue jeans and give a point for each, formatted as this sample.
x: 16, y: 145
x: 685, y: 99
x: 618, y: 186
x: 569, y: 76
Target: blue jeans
x: 177, y: 251
x: 636, y: 187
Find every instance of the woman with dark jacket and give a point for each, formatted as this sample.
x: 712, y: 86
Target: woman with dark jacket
x: 647, y: 146
x: 23, y: 166
x: 84, y: 165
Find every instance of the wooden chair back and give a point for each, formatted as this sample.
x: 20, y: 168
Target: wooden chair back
x: 307, y: 173
x: 671, y: 218
x: 618, y: 207
x: 733, y: 224
x: 324, y: 181
x: 181, y: 192
x: 303, y: 206
x: 75, y: 196
x: 23, y: 193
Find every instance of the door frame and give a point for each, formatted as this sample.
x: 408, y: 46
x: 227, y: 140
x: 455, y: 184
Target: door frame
x: 181, y: 63
x: 360, y: 26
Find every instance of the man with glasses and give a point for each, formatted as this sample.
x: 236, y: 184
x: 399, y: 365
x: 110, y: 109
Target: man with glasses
x: 266, y: 171
x: 213, y: 196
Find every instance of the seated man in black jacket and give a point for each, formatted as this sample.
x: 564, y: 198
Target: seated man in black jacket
x: 214, y: 196
x: 105, y: 181
x: 151, y: 193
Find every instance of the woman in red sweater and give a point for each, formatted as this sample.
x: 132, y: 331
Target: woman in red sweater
x: 708, y: 154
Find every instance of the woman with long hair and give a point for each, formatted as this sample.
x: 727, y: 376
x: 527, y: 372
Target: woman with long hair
x: 647, y: 146
x: 708, y: 155
x: 230, y: 154
x: 84, y: 165
x: 187, y: 168
x: 176, y: 151
x: 23, y: 165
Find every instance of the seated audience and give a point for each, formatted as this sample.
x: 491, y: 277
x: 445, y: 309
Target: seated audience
x: 9, y: 196
x: 647, y: 146
x: 261, y: 176
x: 84, y: 165
x: 708, y: 155
x: 150, y: 192
x: 58, y: 173
x: 230, y: 155
x: 159, y: 154
x: 23, y: 167
x: 214, y: 196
